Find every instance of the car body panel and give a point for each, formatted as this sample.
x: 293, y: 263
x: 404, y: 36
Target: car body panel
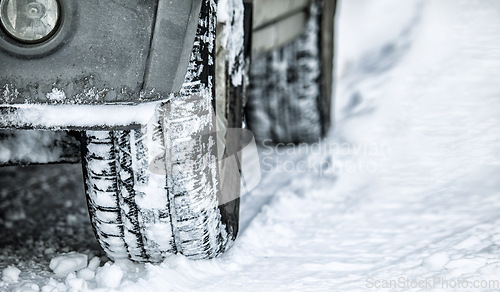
x: 102, y: 54
x: 123, y: 58
x: 267, y: 12
x: 276, y: 23
x: 174, y: 34
x: 278, y: 33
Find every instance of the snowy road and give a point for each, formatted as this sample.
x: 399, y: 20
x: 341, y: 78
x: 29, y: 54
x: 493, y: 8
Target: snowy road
x: 405, y: 193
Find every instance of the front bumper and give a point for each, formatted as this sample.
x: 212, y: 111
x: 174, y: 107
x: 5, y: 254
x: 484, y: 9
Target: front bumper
x: 109, y: 52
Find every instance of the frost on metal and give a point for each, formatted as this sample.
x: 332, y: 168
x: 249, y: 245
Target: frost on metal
x: 285, y: 89
x: 78, y: 91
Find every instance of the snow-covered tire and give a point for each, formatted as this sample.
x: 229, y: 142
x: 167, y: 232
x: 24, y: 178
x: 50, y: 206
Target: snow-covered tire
x: 128, y: 203
x: 291, y: 87
x: 154, y: 191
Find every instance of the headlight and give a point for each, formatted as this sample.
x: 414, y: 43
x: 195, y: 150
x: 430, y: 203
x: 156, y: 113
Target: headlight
x: 29, y: 21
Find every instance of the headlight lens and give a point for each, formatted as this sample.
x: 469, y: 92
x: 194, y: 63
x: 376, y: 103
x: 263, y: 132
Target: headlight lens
x: 29, y: 21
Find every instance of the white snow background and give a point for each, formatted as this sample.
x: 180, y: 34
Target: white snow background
x: 404, y: 192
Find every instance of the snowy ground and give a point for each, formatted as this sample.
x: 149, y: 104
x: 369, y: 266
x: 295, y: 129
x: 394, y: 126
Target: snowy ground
x: 405, y: 192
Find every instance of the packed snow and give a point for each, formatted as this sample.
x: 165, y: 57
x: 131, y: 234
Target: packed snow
x: 403, y: 194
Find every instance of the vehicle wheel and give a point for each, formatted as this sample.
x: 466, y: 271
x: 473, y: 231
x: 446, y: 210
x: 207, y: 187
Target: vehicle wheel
x: 291, y: 87
x: 163, y: 188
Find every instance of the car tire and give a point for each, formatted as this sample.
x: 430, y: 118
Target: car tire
x: 158, y: 189
x: 291, y: 87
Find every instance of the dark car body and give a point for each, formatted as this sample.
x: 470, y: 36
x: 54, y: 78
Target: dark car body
x: 109, y: 62
x: 102, y: 52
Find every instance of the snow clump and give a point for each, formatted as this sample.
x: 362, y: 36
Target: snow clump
x: 67, y: 263
x: 75, y: 283
x: 54, y: 286
x: 11, y: 274
x: 109, y: 276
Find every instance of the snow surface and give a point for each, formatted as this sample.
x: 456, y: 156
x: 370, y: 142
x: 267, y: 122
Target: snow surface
x: 404, y: 192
